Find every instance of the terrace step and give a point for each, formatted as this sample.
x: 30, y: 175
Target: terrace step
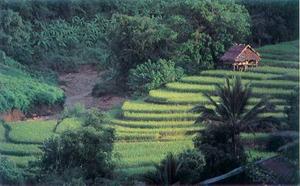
x: 18, y: 149
x: 192, y: 103
x: 279, y: 63
x: 243, y: 75
x: 160, y: 116
x: 196, y: 81
x: 152, y: 124
x: 192, y: 94
x: 134, y: 106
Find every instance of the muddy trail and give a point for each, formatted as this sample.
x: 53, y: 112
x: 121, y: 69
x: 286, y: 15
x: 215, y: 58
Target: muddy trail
x: 78, y: 88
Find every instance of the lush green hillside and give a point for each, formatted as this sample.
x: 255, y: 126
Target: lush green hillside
x: 19, y: 89
x: 148, y: 129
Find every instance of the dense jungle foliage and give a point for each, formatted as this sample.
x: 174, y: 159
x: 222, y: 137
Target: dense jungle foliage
x: 119, y: 35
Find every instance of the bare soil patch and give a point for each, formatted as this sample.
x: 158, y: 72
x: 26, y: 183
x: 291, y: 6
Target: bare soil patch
x: 78, y: 88
x: 13, y: 115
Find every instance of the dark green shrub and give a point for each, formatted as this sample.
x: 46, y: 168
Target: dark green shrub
x: 186, y: 167
x: 257, y: 175
x: 87, y: 149
x: 93, y: 118
x: 166, y: 172
x: 72, y: 176
x: 275, y: 142
x: 152, y: 75
x: 61, y: 63
x: 104, y: 88
x: 191, y: 167
x: 215, y: 144
x: 9, y: 173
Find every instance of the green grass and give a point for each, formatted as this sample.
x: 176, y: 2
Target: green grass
x: 275, y: 70
x: 152, y: 124
x: 159, y: 116
x: 255, y: 136
x: 133, y: 171
x: 279, y: 63
x: 68, y: 124
x: 247, y: 75
x: 137, y: 154
x: 34, y: 132
x: 284, y: 48
x: 254, y: 154
x: 193, y: 96
x: 195, y: 82
x: 151, y: 107
x: 165, y: 130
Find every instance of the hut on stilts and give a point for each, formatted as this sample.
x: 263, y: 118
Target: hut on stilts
x: 240, y: 57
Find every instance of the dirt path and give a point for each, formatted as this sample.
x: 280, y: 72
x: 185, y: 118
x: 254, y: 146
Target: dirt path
x: 78, y: 88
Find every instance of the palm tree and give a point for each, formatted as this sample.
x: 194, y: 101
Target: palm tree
x: 232, y: 109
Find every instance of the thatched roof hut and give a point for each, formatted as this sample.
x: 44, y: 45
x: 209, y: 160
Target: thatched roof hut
x: 240, y: 57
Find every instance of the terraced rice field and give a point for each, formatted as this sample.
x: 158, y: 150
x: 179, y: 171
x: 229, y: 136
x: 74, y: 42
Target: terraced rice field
x: 161, y: 123
x: 20, y: 141
x: 150, y: 128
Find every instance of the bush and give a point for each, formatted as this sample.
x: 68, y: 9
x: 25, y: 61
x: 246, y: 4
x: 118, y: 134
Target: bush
x: 257, y: 175
x: 86, y: 149
x: 192, y: 166
x: 104, y: 88
x: 72, y: 176
x: 9, y: 173
x: 152, y: 75
x: 185, y: 167
x: 214, y: 143
x: 166, y: 172
x: 275, y: 142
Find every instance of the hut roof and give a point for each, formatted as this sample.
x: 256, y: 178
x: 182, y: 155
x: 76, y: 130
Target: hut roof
x: 240, y: 52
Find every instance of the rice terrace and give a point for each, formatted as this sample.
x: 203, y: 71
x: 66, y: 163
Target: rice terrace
x: 154, y: 92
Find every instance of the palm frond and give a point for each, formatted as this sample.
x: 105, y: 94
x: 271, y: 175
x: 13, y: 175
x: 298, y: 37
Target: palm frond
x: 269, y: 121
x: 197, y: 109
x: 208, y: 115
x: 262, y: 106
x: 213, y: 102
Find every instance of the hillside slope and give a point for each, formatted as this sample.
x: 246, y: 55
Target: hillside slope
x: 161, y: 123
x: 20, y: 90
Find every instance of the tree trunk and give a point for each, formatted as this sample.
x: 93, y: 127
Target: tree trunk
x: 235, y: 138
